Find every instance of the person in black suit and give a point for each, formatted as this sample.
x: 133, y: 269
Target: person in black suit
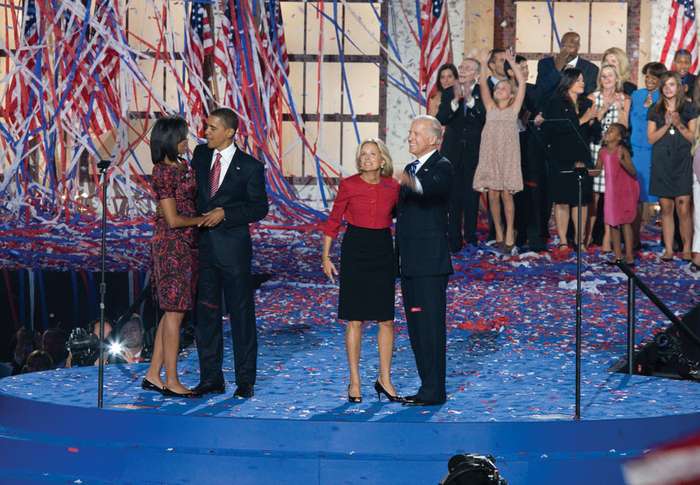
x: 424, y: 258
x: 462, y: 113
x: 549, y: 69
x: 230, y: 194
x: 530, y: 204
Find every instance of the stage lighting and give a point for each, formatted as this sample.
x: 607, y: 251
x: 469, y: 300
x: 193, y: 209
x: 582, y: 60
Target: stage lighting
x: 472, y: 469
x: 115, y: 348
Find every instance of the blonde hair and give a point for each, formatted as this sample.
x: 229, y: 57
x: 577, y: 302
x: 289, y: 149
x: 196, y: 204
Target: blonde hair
x: 618, y: 78
x: 388, y: 166
x: 623, y: 62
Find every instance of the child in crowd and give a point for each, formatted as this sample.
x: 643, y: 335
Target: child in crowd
x: 499, y: 172
x: 621, y: 189
x: 682, y: 60
x: 671, y: 131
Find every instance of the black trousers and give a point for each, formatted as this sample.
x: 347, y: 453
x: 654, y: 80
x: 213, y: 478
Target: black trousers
x: 238, y: 292
x: 464, y: 200
x: 424, y: 301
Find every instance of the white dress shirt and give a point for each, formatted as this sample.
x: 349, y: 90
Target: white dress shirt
x: 571, y: 64
x: 454, y: 104
x: 421, y: 161
x: 226, y: 157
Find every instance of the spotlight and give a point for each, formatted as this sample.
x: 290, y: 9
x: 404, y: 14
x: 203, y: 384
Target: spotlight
x: 115, y: 348
x: 473, y: 469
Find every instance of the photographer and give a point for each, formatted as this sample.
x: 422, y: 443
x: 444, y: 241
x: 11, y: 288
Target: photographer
x: 83, y: 348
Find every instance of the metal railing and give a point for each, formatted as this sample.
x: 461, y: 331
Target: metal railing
x: 634, y: 282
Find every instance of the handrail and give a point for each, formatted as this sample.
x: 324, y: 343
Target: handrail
x: 634, y: 282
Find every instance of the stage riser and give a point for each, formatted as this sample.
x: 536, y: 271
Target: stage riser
x: 92, y: 444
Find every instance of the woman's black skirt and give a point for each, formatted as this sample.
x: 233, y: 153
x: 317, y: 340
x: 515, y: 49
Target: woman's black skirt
x: 367, y: 275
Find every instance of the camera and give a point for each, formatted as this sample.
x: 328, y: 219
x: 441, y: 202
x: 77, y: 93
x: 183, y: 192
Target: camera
x: 84, y: 347
x: 473, y: 469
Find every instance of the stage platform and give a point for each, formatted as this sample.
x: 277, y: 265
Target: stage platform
x: 510, y: 389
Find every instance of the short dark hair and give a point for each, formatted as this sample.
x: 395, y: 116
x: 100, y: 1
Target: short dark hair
x: 165, y: 136
x: 493, y: 53
x: 446, y: 67
x: 682, y: 52
x: 228, y: 116
x: 520, y: 58
x: 655, y: 69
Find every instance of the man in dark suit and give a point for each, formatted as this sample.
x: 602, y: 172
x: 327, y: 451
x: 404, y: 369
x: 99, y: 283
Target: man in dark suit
x: 463, y: 114
x: 424, y: 258
x: 230, y: 194
x: 549, y: 68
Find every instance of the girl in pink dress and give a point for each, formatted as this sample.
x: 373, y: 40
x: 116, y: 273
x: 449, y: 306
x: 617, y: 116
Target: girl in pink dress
x: 621, y: 189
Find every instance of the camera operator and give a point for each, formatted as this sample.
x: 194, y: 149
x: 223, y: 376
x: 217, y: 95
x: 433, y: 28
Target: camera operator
x: 84, y: 348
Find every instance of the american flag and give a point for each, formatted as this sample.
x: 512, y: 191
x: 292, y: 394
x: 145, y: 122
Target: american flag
x: 681, y: 33
x: 200, y: 45
x: 22, y: 94
x: 435, y: 43
x: 673, y: 463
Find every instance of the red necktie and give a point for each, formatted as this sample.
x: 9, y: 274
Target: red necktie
x: 214, y: 174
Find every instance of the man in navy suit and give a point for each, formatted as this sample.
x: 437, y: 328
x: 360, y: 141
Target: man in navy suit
x: 230, y: 194
x: 549, y: 68
x: 424, y: 256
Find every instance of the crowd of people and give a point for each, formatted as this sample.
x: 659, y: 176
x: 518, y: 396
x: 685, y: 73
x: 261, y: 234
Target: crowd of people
x: 51, y: 349
x: 562, y: 124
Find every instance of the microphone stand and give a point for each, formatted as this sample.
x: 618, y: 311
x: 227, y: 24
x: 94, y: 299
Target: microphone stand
x: 580, y: 173
x: 103, y: 165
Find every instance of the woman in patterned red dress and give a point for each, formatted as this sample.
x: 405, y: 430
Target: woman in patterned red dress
x: 173, y: 248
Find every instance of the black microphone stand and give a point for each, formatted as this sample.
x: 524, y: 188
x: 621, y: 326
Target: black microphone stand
x: 103, y: 165
x: 580, y: 173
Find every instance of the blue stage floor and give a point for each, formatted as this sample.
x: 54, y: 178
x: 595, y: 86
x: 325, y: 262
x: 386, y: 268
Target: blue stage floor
x: 510, y: 376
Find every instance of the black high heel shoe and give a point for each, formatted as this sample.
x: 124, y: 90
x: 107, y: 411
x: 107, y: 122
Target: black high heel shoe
x: 380, y: 390
x: 354, y: 399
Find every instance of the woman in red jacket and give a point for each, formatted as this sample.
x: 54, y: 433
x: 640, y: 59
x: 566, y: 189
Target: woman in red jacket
x: 367, y: 263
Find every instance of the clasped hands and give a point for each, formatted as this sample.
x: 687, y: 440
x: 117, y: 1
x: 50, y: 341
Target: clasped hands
x: 212, y: 218
x: 674, y: 119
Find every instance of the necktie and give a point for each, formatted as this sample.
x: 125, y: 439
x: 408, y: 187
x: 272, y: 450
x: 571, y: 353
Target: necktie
x: 214, y: 174
x: 412, y: 167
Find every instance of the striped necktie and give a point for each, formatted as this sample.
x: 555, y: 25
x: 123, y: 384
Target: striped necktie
x: 412, y: 167
x: 214, y: 174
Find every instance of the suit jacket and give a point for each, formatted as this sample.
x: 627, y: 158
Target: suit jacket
x: 460, y: 143
x: 243, y: 197
x: 421, y: 222
x: 548, y: 77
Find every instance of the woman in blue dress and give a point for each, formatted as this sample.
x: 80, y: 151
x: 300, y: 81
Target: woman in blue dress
x: 642, y: 99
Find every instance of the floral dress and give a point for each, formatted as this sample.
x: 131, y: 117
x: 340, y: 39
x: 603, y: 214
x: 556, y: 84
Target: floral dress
x: 174, y: 251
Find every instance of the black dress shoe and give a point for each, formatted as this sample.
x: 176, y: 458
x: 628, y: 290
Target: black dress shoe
x: 418, y: 401
x: 244, y: 391
x: 209, y: 388
x: 147, y: 385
